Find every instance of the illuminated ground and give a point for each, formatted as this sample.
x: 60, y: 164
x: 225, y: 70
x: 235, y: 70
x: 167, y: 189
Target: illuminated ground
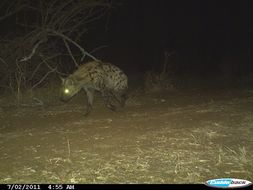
x: 179, y: 137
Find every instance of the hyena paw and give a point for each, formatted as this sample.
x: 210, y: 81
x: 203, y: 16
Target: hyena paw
x: 111, y: 107
x: 87, y: 112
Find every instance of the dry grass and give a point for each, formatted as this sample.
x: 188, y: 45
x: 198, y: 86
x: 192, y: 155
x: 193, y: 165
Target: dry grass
x: 151, y: 141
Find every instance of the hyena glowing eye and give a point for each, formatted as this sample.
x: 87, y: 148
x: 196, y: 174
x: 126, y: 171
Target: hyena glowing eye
x: 66, y: 91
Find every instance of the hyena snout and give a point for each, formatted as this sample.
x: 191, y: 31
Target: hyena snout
x: 68, y: 90
x: 67, y: 94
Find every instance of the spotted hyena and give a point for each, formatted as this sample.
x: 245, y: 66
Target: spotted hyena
x: 106, y: 78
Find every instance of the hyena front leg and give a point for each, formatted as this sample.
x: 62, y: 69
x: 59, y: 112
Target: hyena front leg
x: 107, y: 99
x: 120, y: 97
x: 90, y: 98
x: 123, y: 98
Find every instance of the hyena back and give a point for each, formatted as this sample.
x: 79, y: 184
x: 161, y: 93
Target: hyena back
x: 106, y: 78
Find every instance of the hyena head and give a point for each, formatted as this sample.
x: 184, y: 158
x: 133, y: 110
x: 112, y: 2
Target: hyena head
x: 70, y: 87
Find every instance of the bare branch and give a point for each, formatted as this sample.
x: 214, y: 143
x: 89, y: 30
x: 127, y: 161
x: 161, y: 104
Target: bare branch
x: 11, y: 13
x: 16, y: 8
x: 70, y: 53
x: 35, y: 70
x: 44, y: 77
x: 33, y: 51
x: 60, y: 20
x: 45, y: 59
x: 98, y: 48
x: 3, y: 61
x: 94, y: 50
x: 55, y: 33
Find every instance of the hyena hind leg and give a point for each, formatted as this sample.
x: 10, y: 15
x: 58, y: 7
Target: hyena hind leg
x: 121, y: 98
x: 90, y: 98
x: 107, y: 100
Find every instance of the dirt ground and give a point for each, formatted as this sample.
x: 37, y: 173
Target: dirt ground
x: 169, y: 137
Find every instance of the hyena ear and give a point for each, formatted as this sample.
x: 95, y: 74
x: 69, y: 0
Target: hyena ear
x: 62, y: 80
x: 72, y: 81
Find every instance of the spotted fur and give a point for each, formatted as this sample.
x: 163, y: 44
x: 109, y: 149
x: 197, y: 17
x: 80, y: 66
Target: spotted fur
x: 106, y: 78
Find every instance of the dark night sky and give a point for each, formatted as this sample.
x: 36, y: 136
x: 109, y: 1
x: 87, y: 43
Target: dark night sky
x: 204, y: 34
x: 198, y: 30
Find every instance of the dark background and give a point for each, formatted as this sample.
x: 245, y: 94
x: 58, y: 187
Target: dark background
x: 209, y: 37
x: 205, y: 35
